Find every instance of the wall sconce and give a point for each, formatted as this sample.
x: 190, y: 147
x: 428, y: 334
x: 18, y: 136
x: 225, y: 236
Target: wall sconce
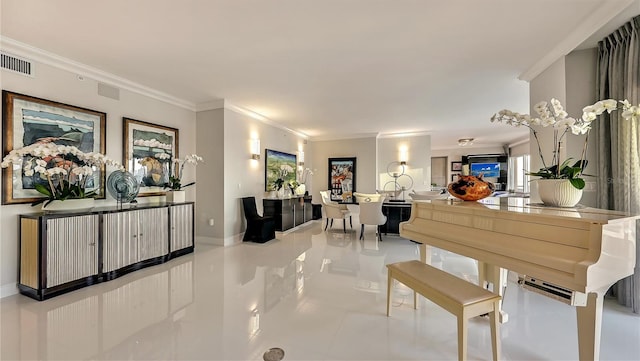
x: 301, y: 158
x: 463, y: 142
x: 255, y: 321
x: 404, y: 155
x: 255, y: 149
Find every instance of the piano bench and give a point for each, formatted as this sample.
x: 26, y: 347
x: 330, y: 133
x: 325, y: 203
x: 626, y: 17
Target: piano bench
x: 461, y: 298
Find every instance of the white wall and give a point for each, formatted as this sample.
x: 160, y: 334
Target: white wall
x: 244, y: 176
x: 418, y: 162
x: 364, y: 149
x: 62, y: 86
x: 210, y: 195
x: 581, y: 91
x: 225, y: 135
x: 571, y: 80
x: 520, y: 149
x: 549, y: 84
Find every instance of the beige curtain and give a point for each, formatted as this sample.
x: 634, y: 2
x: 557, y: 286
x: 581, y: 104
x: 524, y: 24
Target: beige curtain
x: 618, y: 139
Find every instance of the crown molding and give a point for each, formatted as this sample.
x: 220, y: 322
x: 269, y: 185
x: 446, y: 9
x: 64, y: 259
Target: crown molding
x: 210, y: 105
x: 599, y: 17
x: 403, y: 135
x: 250, y: 113
x: 25, y: 50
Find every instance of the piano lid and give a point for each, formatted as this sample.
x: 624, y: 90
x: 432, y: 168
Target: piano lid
x: 524, y: 205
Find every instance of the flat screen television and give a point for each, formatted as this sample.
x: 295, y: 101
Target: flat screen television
x: 489, y: 170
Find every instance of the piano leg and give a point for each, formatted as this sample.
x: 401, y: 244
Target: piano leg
x: 589, y: 326
x: 489, y: 274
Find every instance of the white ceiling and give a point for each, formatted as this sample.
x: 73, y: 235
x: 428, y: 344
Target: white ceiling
x: 328, y: 69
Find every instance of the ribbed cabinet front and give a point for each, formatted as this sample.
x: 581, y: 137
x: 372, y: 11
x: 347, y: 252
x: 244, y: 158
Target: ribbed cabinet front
x: 72, y: 252
x: 181, y: 227
x: 134, y: 236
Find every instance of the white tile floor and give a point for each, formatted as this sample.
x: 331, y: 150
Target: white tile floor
x: 317, y: 295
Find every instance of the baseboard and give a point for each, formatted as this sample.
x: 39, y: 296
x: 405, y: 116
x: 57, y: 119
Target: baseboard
x: 223, y: 242
x: 9, y: 289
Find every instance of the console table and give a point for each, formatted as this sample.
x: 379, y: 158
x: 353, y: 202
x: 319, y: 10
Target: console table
x: 62, y: 252
x: 288, y: 212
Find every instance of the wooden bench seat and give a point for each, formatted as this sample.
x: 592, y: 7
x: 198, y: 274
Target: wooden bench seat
x: 463, y: 299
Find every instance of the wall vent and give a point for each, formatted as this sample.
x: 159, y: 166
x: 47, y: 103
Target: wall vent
x: 16, y: 64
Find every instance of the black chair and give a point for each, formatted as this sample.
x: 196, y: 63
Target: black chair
x: 259, y: 229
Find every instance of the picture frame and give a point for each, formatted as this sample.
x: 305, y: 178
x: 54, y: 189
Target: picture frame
x: 278, y: 165
x: 342, y: 177
x: 456, y: 166
x: 149, y: 152
x: 27, y: 120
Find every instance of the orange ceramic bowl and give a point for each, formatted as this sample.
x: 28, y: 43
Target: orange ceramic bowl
x: 470, y: 188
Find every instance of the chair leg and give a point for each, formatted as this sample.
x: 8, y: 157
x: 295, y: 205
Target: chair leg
x: 351, y: 222
x: 326, y: 225
x: 331, y: 222
x: 362, y: 231
x: 344, y: 225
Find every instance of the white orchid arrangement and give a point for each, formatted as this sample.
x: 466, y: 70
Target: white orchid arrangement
x: 304, y: 173
x: 555, y: 116
x: 64, y: 169
x: 175, y: 179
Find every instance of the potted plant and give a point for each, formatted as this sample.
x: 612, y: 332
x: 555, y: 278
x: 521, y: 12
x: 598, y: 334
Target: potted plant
x: 175, y: 186
x: 63, y: 172
x: 561, y: 181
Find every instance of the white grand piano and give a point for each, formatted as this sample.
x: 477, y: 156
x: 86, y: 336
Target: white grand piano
x: 571, y: 254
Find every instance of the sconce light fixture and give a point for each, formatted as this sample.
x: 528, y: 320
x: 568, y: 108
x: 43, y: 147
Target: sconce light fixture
x: 404, y: 155
x: 301, y: 158
x: 463, y: 142
x: 255, y: 321
x: 255, y: 149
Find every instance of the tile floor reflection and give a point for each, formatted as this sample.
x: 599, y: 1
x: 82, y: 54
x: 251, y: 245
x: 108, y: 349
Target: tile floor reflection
x: 317, y: 295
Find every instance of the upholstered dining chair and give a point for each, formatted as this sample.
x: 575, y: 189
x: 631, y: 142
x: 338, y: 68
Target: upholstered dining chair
x: 368, y: 197
x: 371, y: 214
x: 334, y: 210
x: 259, y: 229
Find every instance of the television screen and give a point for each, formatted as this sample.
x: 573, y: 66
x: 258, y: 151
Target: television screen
x: 489, y: 170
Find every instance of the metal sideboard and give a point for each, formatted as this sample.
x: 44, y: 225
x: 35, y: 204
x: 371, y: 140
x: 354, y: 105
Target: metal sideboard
x: 62, y: 252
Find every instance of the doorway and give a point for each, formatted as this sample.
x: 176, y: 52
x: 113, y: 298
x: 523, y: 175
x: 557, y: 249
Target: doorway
x: 439, y: 171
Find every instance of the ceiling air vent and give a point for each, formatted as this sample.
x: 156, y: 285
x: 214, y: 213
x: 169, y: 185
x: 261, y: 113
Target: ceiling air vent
x: 15, y: 64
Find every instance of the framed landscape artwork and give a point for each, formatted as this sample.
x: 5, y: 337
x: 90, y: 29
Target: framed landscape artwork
x: 342, y: 177
x: 278, y: 166
x: 28, y: 120
x: 149, y: 152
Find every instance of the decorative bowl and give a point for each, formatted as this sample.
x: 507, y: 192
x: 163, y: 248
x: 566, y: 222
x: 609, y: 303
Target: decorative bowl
x: 470, y: 188
x: 427, y: 195
x: 123, y: 186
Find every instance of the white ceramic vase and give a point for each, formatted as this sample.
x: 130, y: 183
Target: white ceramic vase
x: 558, y: 192
x: 176, y: 196
x: 68, y: 205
